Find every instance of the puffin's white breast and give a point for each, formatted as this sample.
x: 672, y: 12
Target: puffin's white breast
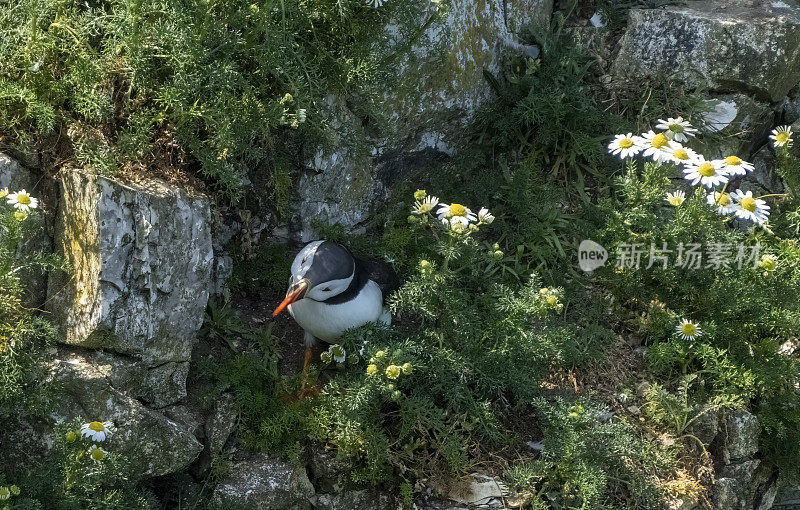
x: 328, y: 321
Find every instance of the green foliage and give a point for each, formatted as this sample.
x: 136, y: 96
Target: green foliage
x: 675, y: 409
x: 590, y: 460
x: 67, y: 478
x: 267, y: 270
x: 745, y: 312
x: 428, y: 395
x: 546, y: 110
x: 23, y: 336
x: 246, y: 368
x: 143, y: 82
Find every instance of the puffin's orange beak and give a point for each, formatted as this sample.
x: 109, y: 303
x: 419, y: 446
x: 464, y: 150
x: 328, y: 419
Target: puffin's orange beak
x: 292, y: 296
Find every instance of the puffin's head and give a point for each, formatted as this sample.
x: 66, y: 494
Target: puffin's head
x: 320, y: 271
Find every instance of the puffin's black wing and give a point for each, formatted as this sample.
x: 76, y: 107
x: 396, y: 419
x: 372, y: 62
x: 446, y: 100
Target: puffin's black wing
x: 382, y: 274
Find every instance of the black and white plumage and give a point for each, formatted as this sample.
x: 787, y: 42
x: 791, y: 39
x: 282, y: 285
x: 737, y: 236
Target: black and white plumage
x: 331, y: 291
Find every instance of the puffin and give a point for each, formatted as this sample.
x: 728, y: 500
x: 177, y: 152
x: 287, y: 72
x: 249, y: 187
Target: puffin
x: 331, y: 291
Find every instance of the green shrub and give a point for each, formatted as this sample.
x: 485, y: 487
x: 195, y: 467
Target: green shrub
x: 146, y: 83
x: 745, y: 311
x: 590, y: 459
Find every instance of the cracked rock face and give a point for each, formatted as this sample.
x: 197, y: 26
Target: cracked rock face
x: 742, y: 480
x: 440, y: 85
x: 89, y: 386
x: 264, y: 482
x: 142, y: 260
x: 727, y: 48
x: 735, y: 124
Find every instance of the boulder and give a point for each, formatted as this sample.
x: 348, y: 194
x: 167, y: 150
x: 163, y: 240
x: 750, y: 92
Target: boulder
x: 329, y: 472
x: 790, y: 107
x: 15, y: 176
x: 219, y: 423
x: 734, y: 125
x: 441, y: 82
x: 742, y: 480
x: 764, y: 179
x: 338, y: 185
x: 142, y: 260
x: 705, y: 427
x: 744, y: 486
x: 787, y: 498
x: 264, y: 482
x: 350, y: 500
x: 153, y: 444
x: 476, y: 490
x: 438, y: 85
x: 740, y: 431
x: 726, y: 48
x: 155, y: 386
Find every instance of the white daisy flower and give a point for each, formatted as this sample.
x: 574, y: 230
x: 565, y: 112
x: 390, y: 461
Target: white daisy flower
x: 23, y: 201
x: 768, y: 262
x: 750, y: 208
x: 721, y: 201
x: 425, y: 206
x: 679, y: 154
x: 781, y: 135
x: 676, y: 198
x: 97, y: 431
x: 338, y: 353
x: 96, y: 453
x: 457, y: 224
x: 734, y: 165
x: 624, y: 146
x: 453, y: 210
x: 688, y: 330
x: 708, y: 173
x: 5, y: 493
x: 676, y: 129
x: 376, y: 3
x: 484, y: 216
x: 301, y: 115
x: 654, y: 146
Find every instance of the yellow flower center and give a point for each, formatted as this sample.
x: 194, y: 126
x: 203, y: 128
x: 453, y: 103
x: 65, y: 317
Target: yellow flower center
x: 23, y: 199
x: 675, y: 200
x: 688, y: 329
x: 706, y: 169
x: 97, y: 426
x: 782, y: 137
x: 733, y: 161
x: 748, y: 204
x: 680, y: 153
x: 659, y: 141
x: 723, y: 199
x: 552, y: 300
x: 98, y: 454
x: 625, y: 143
x: 456, y: 210
x: 337, y: 351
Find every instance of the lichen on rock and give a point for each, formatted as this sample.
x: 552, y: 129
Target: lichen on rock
x: 724, y: 48
x: 142, y: 262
